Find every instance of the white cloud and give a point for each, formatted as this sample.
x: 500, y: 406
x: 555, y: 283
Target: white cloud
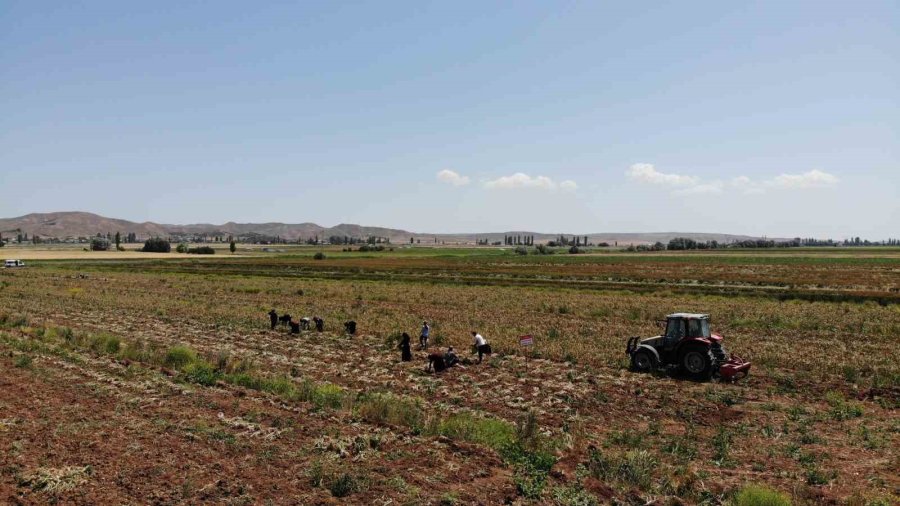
x: 810, y: 179
x: 453, y: 178
x: 691, y: 185
x: 521, y: 180
x: 647, y: 173
x: 568, y: 185
x: 747, y: 185
x: 806, y: 180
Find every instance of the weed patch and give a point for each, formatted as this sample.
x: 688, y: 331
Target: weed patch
x: 842, y: 409
x: 56, y: 480
x: 759, y: 495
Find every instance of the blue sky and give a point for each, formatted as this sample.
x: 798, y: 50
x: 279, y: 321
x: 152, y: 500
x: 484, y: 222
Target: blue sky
x: 770, y: 118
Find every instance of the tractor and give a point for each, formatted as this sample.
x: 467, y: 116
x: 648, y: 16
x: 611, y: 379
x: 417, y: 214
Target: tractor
x: 688, y: 346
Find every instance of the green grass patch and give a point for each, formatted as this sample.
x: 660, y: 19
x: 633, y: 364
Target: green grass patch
x: 179, y: 356
x: 760, y: 495
x: 497, y: 434
x: 391, y: 409
x: 23, y: 361
x: 633, y: 468
x: 841, y: 408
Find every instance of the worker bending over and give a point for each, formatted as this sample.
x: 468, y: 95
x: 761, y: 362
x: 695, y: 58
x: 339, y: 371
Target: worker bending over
x: 481, y: 345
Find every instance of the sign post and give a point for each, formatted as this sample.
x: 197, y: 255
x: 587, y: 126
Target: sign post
x: 529, y: 342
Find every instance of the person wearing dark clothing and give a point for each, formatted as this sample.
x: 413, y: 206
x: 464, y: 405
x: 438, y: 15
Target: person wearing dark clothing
x: 295, y: 327
x: 436, y: 362
x: 450, y: 358
x: 273, y: 317
x: 304, y: 323
x: 350, y: 327
x: 320, y: 323
x: 405, y: 353
x: 285, y: 319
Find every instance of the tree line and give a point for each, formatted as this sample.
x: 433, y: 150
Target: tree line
x: 686, y: 243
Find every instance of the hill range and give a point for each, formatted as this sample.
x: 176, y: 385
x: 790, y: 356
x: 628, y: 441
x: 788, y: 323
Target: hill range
x: 74, y: 224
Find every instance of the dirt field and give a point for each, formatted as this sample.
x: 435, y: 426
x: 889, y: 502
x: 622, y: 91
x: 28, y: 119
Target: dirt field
x: 160, y: 382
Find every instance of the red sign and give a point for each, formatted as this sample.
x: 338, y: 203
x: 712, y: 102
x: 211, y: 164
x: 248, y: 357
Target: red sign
x: 526, y: 340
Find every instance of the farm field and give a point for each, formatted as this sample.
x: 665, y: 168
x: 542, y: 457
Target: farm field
x: 131, y: 379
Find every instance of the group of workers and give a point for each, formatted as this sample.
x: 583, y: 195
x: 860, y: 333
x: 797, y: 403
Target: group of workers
x: 303, y: 323
x: 437, y: 362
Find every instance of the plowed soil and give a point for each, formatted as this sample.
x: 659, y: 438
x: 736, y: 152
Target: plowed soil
x: 81, y: 426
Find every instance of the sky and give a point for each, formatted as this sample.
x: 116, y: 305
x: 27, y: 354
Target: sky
x: 766, y: 118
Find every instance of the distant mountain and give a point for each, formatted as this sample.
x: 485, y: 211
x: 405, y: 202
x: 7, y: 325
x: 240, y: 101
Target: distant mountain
x: 75, y: 224
x: 63, y: 225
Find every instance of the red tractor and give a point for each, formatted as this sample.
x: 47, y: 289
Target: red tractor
x: 688, y: 345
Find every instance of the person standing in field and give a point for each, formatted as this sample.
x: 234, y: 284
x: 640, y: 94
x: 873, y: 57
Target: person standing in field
x: 405, y: 352
x: 273, y: 317
x: 481, y: 345
x: 423, y: 337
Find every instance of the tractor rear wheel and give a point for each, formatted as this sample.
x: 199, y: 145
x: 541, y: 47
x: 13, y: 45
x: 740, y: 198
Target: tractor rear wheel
x: 697, y: 363
x: 643, y: 361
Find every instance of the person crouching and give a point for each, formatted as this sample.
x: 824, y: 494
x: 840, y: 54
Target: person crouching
x: 436, y: 362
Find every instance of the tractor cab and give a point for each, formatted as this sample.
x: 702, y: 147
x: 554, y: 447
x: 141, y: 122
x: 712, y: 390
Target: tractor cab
x: 687, y: 325
x: 687, y: 343
x: 681, y: 328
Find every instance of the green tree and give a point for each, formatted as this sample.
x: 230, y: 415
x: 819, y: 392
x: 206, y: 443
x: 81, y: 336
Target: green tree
x: 157, y: 245
x: 99, y: 244
x: 118, y: 240
x: 232, y: 247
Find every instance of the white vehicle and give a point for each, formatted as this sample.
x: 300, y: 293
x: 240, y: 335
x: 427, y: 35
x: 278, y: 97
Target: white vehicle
x: 14, y: 263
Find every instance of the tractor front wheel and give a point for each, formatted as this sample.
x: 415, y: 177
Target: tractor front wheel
x: 697, y: 363
x: 643, y: 361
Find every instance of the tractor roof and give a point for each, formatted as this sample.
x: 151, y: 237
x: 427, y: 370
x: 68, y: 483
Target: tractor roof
x: 689, y: 316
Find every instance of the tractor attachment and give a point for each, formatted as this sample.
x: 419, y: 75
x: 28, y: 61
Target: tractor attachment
x: 734, y: 369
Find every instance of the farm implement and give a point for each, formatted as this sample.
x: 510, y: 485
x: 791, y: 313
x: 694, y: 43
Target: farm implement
x: 688, y: 346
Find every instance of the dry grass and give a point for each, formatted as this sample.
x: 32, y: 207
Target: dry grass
x: 818, y: 410
x: 588, y: 327
x: 55, y: 481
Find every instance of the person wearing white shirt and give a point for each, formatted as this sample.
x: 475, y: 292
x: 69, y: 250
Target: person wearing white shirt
x: 481, y: 345
x: 423, y: 336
